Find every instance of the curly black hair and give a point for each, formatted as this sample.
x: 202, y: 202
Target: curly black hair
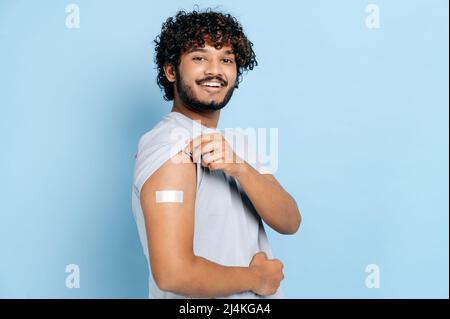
x: 187, y: 30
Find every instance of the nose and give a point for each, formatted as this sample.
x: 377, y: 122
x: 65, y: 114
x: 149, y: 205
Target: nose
x: 213, y: 67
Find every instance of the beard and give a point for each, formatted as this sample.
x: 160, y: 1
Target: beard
x: 188, y: 97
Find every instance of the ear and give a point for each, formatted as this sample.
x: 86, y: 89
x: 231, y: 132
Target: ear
x: 169, y: 71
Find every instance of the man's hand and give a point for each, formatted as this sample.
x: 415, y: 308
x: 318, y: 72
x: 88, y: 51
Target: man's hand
x: 215, y: 153
x: 268, y: 273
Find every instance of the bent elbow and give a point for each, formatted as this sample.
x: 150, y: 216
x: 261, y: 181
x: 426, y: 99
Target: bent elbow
x: 170, y: 278
x: 296, y: 220
x: 164, y: 282
x: 295, y: 225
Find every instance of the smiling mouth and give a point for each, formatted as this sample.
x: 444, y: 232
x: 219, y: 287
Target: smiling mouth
x: 212, y: 86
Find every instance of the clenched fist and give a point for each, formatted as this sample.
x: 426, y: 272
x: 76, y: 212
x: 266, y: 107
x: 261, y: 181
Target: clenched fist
x: 268, y: 274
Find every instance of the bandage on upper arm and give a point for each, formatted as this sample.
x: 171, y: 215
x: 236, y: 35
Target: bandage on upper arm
x: 169, y: 196
x: 168, y: 183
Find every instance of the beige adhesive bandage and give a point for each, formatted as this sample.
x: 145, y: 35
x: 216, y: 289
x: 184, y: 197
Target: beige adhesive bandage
x: 169, y: 196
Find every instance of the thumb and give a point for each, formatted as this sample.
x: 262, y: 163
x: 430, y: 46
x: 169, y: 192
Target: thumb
x: 258, y: 257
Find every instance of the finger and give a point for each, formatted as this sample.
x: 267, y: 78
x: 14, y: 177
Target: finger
x: 213, y: 146
x: 195, y: 147
x: 203, y: 138
x: 205, y: 147
x: 196, y: 154
x: 191, y: 144
x: 215, y: 165
x: 208, y: 137
x: 211, y: 158
x: 219, y: 144
x: 199, y: 151
x: 256, y: 257
x: 261, y: 254
x: 216, y: 146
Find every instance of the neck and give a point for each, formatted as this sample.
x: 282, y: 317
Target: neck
x: 208, y: 119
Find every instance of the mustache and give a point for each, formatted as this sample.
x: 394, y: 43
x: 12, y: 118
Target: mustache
x: 222, y: 81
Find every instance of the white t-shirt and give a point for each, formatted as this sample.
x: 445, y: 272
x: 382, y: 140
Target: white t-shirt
x: 227, y: 228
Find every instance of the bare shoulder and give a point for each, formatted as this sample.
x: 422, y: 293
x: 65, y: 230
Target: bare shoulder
x: 177, y: 173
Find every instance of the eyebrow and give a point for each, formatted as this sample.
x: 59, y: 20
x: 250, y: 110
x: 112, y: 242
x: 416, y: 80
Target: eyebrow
x: 204, y: 50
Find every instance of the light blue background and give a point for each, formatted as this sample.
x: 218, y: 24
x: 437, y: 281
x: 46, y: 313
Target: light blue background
x: 363, y: 141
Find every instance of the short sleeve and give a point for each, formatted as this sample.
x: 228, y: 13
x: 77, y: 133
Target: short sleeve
x: 150, y: 157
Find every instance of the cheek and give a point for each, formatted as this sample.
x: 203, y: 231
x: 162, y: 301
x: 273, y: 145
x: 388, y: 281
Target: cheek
x: 188, y: 73
x: 232, y: 76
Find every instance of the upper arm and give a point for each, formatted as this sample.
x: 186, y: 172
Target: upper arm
x: 170, y: 225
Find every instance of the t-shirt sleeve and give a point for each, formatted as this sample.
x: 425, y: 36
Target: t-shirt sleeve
x: 150, y: 157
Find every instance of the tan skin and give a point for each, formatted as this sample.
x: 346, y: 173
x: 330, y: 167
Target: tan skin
x: 170, y: 226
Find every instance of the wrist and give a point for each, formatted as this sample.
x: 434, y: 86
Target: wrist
x: 253, y: 278
x: 241, y: 169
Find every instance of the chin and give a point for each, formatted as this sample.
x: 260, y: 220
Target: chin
x: 209, y: 101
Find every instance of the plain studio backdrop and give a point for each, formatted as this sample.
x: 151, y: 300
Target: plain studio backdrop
x: 358, y: 91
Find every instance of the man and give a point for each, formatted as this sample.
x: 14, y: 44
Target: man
x: 198, y: 202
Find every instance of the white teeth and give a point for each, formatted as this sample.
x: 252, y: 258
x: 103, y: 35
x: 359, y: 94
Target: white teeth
x: 213, y: 84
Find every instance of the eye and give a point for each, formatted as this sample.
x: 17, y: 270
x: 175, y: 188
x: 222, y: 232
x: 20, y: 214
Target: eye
x: 198, y: 58
x: 227, y: 61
